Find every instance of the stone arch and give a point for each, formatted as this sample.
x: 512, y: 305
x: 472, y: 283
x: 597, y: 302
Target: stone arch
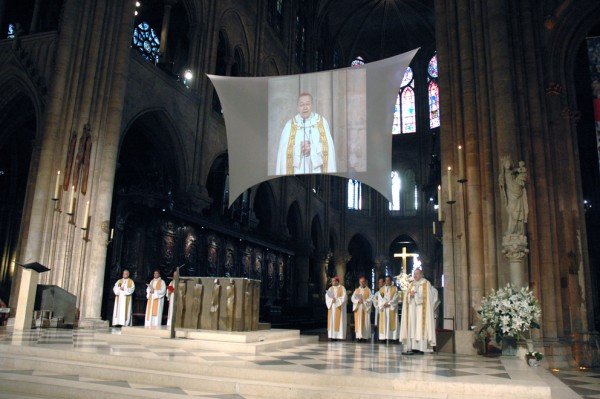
x: 265, y: 209
x: 294, y: 225
x: 238, y: 33
x: 158, y: 127
x: 404, y: 240
x: 216, y: 183
x: 360, y: 262
x: 20, y: 127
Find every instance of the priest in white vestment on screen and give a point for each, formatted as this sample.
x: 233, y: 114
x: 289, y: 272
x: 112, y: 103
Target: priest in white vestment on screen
x: 387, y: 306
x: 336, y: 299
x: 361, y: 307
x: 417, y: 329
x: 305, y: 145
x: 155, y: 293
x: 123, y: 290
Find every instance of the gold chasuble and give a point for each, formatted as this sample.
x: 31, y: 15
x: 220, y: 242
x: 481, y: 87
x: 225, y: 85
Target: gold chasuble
x: 417, y: 329
x: 335, y: 299
x: 388, y: 315
x: 362, y: 312
x: 155, y: 293
x: 123, y: 290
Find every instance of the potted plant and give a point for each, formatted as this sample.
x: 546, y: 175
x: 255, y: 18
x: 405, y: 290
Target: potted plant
x: 533, y: 358
x: 507, y: 314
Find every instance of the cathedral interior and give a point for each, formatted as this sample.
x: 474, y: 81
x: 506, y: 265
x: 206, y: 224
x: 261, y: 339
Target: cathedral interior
x: 115, y: 96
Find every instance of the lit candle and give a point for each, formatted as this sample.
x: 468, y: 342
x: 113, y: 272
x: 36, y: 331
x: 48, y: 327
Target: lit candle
x: 57, y: 186
x: 72, y: 202
x: 449, y: 184
x: 433, y: 227
x: 440, y: 203
x: 461, y: 165
x: 112, y: 232
x: 86, y: 215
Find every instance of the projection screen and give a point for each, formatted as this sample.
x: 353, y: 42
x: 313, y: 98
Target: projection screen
x: 335, y: 122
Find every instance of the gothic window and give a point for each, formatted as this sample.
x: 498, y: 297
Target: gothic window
x: 146, y: 41
x: 358, y: 61
x: 404, y: 110
x: 434, y: 93
x: 354, y: 195
x: 276, y: 15
x: 300, y: 38
x: 11, y: 31
x: 396, y: 190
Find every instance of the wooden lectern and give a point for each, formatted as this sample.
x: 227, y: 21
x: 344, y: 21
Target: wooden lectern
x: 27, y: 290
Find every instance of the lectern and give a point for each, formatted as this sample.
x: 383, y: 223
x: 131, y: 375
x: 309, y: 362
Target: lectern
x: 27, y: 289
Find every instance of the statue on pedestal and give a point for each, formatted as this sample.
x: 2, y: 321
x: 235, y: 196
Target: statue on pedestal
x: 512, y: 188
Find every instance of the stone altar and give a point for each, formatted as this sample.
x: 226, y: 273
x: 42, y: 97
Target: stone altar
x: 221, y: 303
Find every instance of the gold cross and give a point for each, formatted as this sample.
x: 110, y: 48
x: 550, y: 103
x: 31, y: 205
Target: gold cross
x: 404, y: 255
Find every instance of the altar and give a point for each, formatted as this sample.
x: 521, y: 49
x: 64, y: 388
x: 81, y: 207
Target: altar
x: 221, y: 303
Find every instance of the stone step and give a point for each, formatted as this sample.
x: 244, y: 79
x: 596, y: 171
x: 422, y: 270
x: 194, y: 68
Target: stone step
x: 211, y: 335
x: 287, y: 339
x: 256, y: 382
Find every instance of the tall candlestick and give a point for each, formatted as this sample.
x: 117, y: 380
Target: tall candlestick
x: 86, y: 216
x: 461, y: 165
x: 57, y: 186
x: 433, y: 227
x: 450, y: 184
x: 112, y: 232
x: 72, y: 202
x: 440, y: 204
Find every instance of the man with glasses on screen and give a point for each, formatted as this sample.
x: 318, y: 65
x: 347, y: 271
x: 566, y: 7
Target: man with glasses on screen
x: 306, y: 145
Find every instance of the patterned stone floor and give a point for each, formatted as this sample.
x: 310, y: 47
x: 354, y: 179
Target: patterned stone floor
x: 346, y: 358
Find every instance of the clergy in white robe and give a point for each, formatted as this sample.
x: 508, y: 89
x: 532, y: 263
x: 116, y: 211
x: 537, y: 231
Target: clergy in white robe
x: 155, y: 293
x: 123, y: 290
x: 380, y: 283
x: 335, y: 299
x: 361, y: 307
x: 387, y: 306
x: 305, y: 145
x: 169, y: 296
x: 417, y: 329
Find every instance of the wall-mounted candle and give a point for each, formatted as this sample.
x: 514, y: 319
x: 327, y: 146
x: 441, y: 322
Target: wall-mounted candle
x: 450, y: 184
x: 57, y: 186
x: 440, y: 203
x: 86, y: 216
x: 433, y: 227
x: 461, y: 165
x: 72, y: 201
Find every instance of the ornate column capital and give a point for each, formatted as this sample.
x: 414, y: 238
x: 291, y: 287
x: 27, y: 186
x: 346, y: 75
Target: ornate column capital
x: 514, y: 247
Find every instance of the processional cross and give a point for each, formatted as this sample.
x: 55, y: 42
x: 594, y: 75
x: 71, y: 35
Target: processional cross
x: 405, y: 255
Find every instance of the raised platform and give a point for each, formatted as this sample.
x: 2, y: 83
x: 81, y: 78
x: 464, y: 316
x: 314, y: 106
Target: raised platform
x: 76, y: 364
x: 251, y: 342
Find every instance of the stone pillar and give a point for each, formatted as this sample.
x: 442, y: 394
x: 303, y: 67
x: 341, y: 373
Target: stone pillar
x: 35, y: 19
x: 2, y: 14
x: 515, y: 249
x: 164, y: 33
x: 323, y: 263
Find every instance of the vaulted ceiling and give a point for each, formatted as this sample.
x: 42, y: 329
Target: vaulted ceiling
x: 376, y: 29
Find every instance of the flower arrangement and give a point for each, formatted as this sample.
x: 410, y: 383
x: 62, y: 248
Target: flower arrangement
x: 403, y: 280
x: 509, y: 312
x: 537, y: 355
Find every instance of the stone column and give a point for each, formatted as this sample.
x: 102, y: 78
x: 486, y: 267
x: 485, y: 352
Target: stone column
x: 35, y: 19
x: 164, y: 33
x: 323, y: 263
x: 515, y: 249
x: 2, y: 14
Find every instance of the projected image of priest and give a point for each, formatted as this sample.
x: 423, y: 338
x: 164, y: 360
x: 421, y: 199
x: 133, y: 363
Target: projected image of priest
x: 306, y: 145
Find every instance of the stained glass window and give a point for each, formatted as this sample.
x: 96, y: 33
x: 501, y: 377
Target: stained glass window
x: 300, y: 38
x: 434, y: 93
x: 396, y: 190
x: 404, y: 111
x: 354, y: 194
x: 358, y: 61
x: 146, y: 41
x: 11, y: 31
x: 276, y: 14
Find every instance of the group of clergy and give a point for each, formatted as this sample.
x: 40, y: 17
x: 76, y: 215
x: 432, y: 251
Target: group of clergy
x: 416, y: 330
x: 156, y: 292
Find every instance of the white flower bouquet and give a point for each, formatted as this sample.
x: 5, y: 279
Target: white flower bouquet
x: 509, y: 312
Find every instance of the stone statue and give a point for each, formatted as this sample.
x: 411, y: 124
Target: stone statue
x: 514, y: 194
x: 214, y: 307
x: 230, y: 304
